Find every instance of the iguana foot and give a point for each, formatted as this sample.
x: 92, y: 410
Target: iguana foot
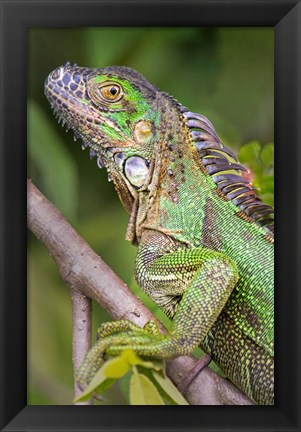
x: 115, y: 337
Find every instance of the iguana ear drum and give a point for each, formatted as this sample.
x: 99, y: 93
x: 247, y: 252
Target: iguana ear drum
x: 143, y: 131
x: 136, y: 170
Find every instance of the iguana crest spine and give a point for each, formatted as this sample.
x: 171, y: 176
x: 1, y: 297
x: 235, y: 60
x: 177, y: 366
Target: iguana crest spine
x: 216, y: 159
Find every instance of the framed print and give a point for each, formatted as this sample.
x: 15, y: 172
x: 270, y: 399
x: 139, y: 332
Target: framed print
x: 238, y: 65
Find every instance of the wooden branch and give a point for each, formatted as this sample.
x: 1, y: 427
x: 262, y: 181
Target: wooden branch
x: 84, y: 272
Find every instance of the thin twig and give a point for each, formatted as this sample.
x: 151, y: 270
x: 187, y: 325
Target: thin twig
x: 81, y: 334
x: 84, y: 271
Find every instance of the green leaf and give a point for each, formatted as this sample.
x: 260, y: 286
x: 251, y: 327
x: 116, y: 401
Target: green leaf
x: 82, y: 397
x: 267, y: 154
x: 143, y: 391
x: 116, y: 367
x: 249, y: 152
x: 88, y: 392
x: 133, y: 359
x: 105, y: 385
x: 113, y: 369
x: 98, y: 379
x: 169, y: 388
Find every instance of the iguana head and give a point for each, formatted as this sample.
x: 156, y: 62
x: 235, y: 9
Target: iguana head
x: 113, y: 110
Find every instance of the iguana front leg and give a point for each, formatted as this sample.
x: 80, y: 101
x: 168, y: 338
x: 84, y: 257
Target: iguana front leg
x: 190, y: 284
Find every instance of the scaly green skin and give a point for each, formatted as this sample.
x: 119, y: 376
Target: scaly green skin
x: 205, y: 246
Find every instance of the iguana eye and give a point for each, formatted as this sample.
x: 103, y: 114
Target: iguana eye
x: 104, y: 93
x: 111, y: 92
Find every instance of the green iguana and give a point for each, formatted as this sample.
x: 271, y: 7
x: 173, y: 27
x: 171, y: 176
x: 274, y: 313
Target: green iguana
x: 205, y: 239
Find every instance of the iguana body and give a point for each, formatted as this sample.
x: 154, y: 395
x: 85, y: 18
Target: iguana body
x: 205, y: 242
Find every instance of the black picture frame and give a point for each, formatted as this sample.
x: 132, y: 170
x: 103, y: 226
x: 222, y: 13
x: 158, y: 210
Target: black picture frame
x: 19, y: 16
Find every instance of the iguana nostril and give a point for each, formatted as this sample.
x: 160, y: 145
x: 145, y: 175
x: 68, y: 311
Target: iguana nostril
x: 56, y: 73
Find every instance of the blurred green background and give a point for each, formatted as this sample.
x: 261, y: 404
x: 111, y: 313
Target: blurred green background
x: 224, y: 73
